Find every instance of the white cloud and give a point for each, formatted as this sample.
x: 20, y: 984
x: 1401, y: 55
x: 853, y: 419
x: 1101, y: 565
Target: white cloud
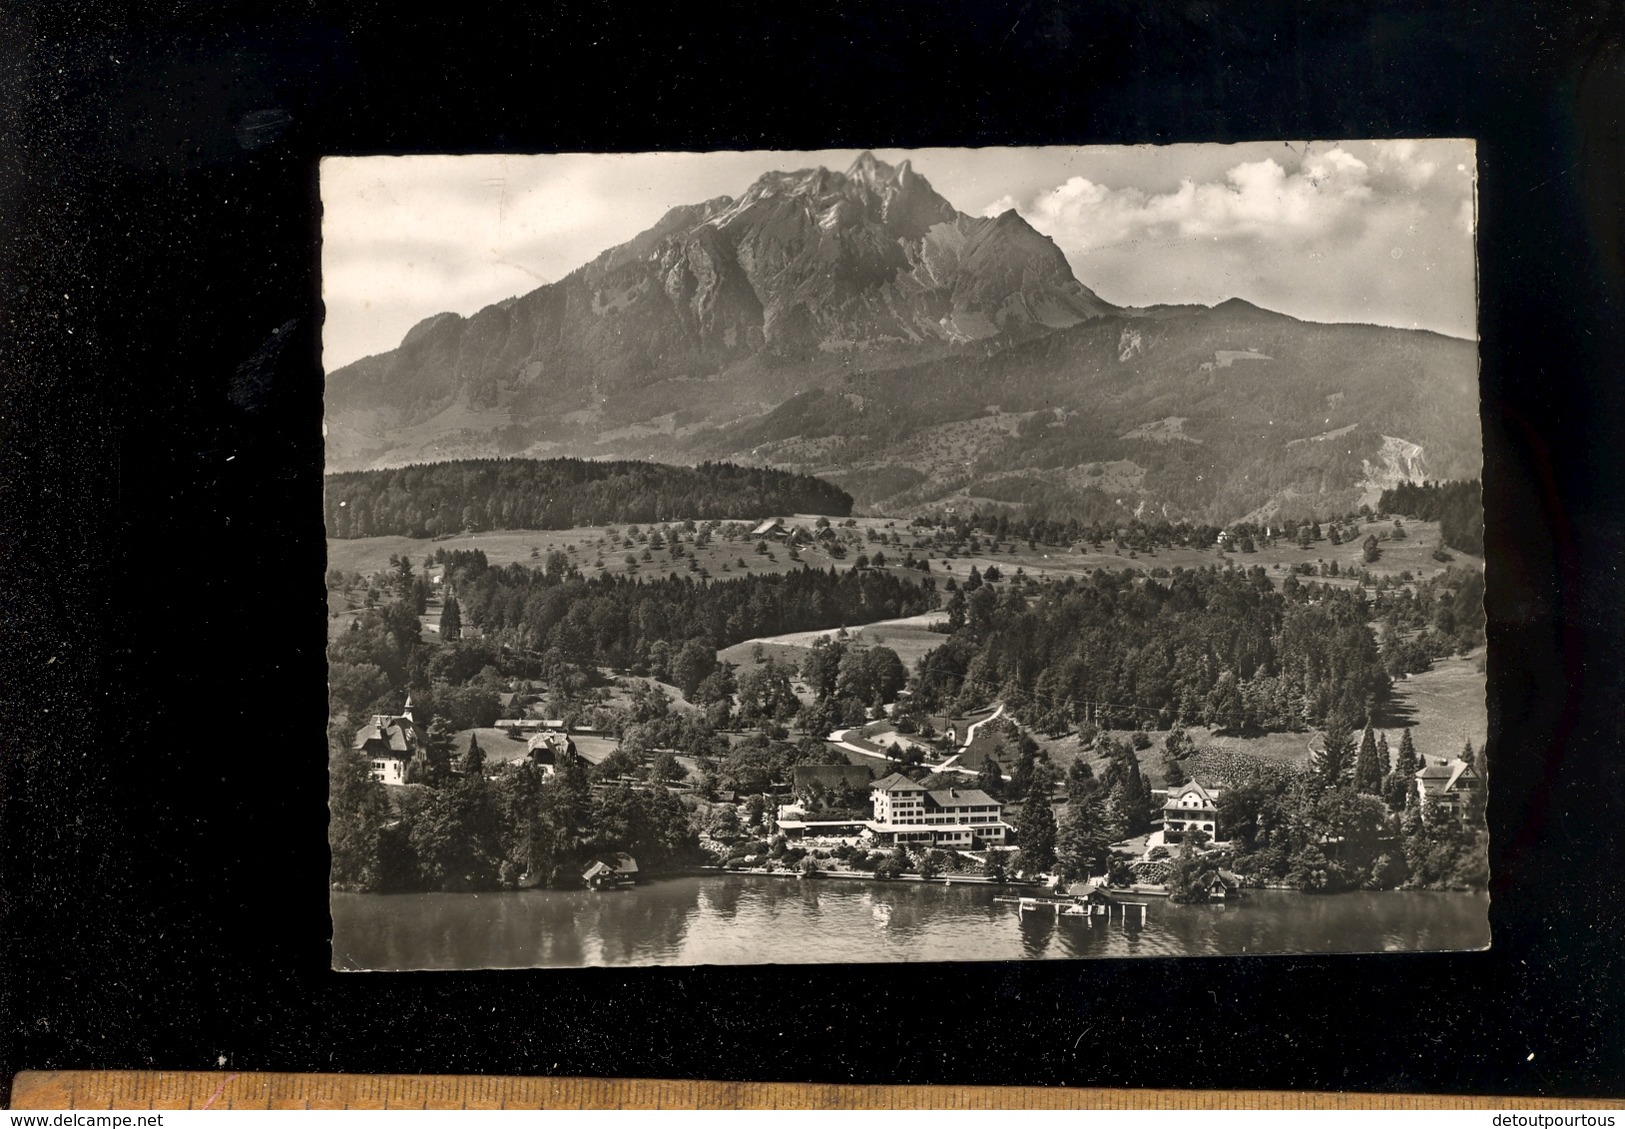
x: 1405, y: 160
x: 1257, y: 199
x: 1358, y: 231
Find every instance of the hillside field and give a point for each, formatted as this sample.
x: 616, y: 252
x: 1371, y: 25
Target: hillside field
x: 911, y: 638
x: 585, y: 546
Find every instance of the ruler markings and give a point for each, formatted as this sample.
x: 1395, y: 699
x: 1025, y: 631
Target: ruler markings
x: 171, y: 1089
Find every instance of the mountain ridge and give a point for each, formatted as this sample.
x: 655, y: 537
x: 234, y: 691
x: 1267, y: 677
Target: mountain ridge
x: 856, y: 325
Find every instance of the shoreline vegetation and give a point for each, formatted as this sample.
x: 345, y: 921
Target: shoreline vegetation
x: 1109, y: 683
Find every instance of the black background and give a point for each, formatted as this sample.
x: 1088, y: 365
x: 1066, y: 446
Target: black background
x: 163, y: 622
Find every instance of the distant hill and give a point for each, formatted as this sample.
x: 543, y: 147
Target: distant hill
x: 857, y: 326
x: 1212, y: 414
x: 481, y: 494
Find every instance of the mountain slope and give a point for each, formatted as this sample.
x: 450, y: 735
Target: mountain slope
x: 803, y: 267
x: 1209, y: 413
x: 857, y: 326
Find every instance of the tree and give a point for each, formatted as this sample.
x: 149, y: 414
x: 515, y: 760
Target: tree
x: 716, y: 687
x: 1027, y: 771
x: 352, y: 687
x: 472, y: 762
x: 1224, y: 703
x: 566, y: 805
x: 1173, y: 772
x: 1036, y: 831
x: 1409, y: 763
x: 666, y: 767
x: 991, y: 778
x: 457, y: 836
x: 1367, y: 773
x: 724, y: 822
x: 1401, y: 788
x: 358, y: 810
x: 1128, y: 796
x: 822, y: 666
x: 693, y: 664
x: 1189, y: 875
x: 931, y: 864
x: 893, y: 865
x: 451, y: 620
x: 1081, y: 841
x: 765, y: 694
x: 885, y: 674
x: 431, y: 764
x: 1336, y: 753
x: 996, y: 864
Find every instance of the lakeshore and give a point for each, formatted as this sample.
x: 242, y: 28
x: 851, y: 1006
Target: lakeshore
x: 728, y: 918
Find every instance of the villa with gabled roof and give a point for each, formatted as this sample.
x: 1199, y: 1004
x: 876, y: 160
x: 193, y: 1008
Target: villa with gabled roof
x: 1191, y: 807
x: 1449, y: 784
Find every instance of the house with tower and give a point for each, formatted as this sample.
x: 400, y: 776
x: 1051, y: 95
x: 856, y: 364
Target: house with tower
x: 389, y: 741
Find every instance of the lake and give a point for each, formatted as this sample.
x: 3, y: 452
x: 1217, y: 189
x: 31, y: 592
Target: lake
x: 751, y: 919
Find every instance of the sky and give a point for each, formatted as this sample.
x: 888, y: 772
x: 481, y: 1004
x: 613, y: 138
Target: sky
x: 1366, y: 231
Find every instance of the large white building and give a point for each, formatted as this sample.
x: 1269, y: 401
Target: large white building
x: 910, y: 813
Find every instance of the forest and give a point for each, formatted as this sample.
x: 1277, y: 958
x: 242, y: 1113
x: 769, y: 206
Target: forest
x: 1216, y: 646
x: 544, y: 621
x: 476, y: 495
x: 617, y: 621
x: 470, y: 830
x: 1458, y: 507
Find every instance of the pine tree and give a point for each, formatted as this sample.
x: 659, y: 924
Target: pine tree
x: 472, y: 762
x: 1367, y: 776
x: 1407, y: 765
x: 451, y: 620
x: 1080, y: 845
x: 1336, y: 748
x: 1036, y: 828
x: 991, y: 778
x: 1400, y: 790
x: 1394, y: 783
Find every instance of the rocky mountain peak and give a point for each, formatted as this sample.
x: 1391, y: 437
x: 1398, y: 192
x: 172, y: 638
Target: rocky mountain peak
x: 804, y: 266
x: 872, y: 171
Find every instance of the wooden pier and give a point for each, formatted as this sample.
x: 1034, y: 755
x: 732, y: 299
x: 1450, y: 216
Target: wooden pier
x: 1085, y: 907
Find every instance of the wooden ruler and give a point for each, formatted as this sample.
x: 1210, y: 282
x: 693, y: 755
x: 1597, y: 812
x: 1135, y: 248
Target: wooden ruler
x: 163, y: 1089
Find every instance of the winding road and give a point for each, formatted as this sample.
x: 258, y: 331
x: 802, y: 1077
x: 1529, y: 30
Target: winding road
x: 970, y: 730
x: 838, y: 739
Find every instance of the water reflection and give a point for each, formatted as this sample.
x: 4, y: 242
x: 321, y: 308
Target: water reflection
x: 731, y: 919
x: 721, y: 899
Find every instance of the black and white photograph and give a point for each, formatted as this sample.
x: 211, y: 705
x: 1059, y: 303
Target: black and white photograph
x: 862, y: 556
